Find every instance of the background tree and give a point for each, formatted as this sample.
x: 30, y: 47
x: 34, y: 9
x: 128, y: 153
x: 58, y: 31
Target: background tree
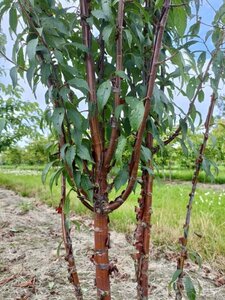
x: 18, y: 119
x: 123, y: 63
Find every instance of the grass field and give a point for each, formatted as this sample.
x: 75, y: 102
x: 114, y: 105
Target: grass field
x: 207, y: 234
x: 187, y: 174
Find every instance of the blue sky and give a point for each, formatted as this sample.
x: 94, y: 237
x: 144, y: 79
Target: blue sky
x: 206, y: 13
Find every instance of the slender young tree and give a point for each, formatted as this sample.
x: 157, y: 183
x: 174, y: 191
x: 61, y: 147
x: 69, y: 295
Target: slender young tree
x: 112, y: 70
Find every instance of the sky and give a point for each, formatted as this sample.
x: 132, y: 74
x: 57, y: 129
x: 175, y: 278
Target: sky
x: 206, y: 13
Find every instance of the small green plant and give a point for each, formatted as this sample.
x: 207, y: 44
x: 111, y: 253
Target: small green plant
x: 25, y: 207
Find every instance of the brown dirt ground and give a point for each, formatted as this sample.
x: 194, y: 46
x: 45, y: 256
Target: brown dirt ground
x: 31, y: 268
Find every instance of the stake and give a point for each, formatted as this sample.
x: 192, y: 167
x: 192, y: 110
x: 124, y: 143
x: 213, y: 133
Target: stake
x: 184, y: 239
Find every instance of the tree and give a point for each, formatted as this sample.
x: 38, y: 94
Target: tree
x: 12, y: 156
x: 18, y: 118
x: 122, y: 62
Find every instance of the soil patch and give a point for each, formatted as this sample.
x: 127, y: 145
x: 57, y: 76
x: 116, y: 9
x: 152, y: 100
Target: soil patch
x: 32, y: 264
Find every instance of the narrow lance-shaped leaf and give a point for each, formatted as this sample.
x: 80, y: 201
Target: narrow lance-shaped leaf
x: 13, y: 75
x: 2, y: 124
x: 13, y: 19
x: 57, y: 118
x: 45, y: 171
x: 189, y: 288
x: 103, y: 94
x: 31, y: 48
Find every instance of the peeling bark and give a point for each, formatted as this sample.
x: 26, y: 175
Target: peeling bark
x: 143, y: 230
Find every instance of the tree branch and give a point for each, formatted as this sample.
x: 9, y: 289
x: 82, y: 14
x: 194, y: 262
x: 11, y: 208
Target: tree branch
x: 12, y: 62
x: 117, y: 86
x: 93, y: 116
x: 152, y: 75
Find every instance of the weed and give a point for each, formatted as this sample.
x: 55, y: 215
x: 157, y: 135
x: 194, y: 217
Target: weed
x: 25, y: 207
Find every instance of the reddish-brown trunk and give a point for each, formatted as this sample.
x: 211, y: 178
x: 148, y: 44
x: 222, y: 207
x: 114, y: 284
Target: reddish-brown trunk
x: 142, y: 233
x: 101, y: 257
x: 101, y: 237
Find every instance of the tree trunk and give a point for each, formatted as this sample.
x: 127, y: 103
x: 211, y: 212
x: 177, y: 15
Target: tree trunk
x: 72, y: 270
x: 101, y: 258
x: 142, y: 233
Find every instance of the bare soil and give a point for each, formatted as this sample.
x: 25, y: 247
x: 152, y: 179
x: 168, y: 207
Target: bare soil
x: 32, y: 268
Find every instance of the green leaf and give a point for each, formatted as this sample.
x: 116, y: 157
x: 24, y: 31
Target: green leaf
x: 59, y: 248
x: 201, y: 96
x: 63, y: 150
x: 79, y: 83
x: 189, y: 288
x: 57, y: 119
x: 103, y: 94
x: 106, y: 33
x: 30, y: 75
x: 180, y: 20
x: 190, y: 91
x: 2, y: 124
x: 184, y: 147
x: 83, y: 153
x: 87, y: 186
x: 118, y: 110
x: 31, y: 48
x: 58, y: 55
x: 45, y: 171
x: 136, y: 112
x: 129, y: 37
x: 120, y: 148
x: 176, y: 274
x: 121, y: 179
x: 45, y: 73
x: 13, y: 75
x: 106, y: 7
x: 201, y: 60
x: 13, y: 18
x: 184, y: 128
x: 194, y: 29
x: 70, y: 154
x: 75, y: 118
x: 196, y: 257
x: 146, y: 153
x: 77, y: 178
x: 122, y: 74
x: 20, y: 58
x: 54, y: 178
x: 99, y: 14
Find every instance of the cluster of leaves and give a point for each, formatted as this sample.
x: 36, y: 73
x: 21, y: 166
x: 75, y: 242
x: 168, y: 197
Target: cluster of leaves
x: 173, y: 154
x: 52, y: 52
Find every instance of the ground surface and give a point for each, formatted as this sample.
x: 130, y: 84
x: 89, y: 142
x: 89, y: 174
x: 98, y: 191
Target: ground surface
x: 31, y: 268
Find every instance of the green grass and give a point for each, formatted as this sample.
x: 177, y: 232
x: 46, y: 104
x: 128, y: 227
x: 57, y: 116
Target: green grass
x: 187, y: 174
x: 22, y: 167
x: 207, y: 231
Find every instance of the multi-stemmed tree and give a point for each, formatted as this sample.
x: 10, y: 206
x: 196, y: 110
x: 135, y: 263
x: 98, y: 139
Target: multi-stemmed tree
x: 113, y: 70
